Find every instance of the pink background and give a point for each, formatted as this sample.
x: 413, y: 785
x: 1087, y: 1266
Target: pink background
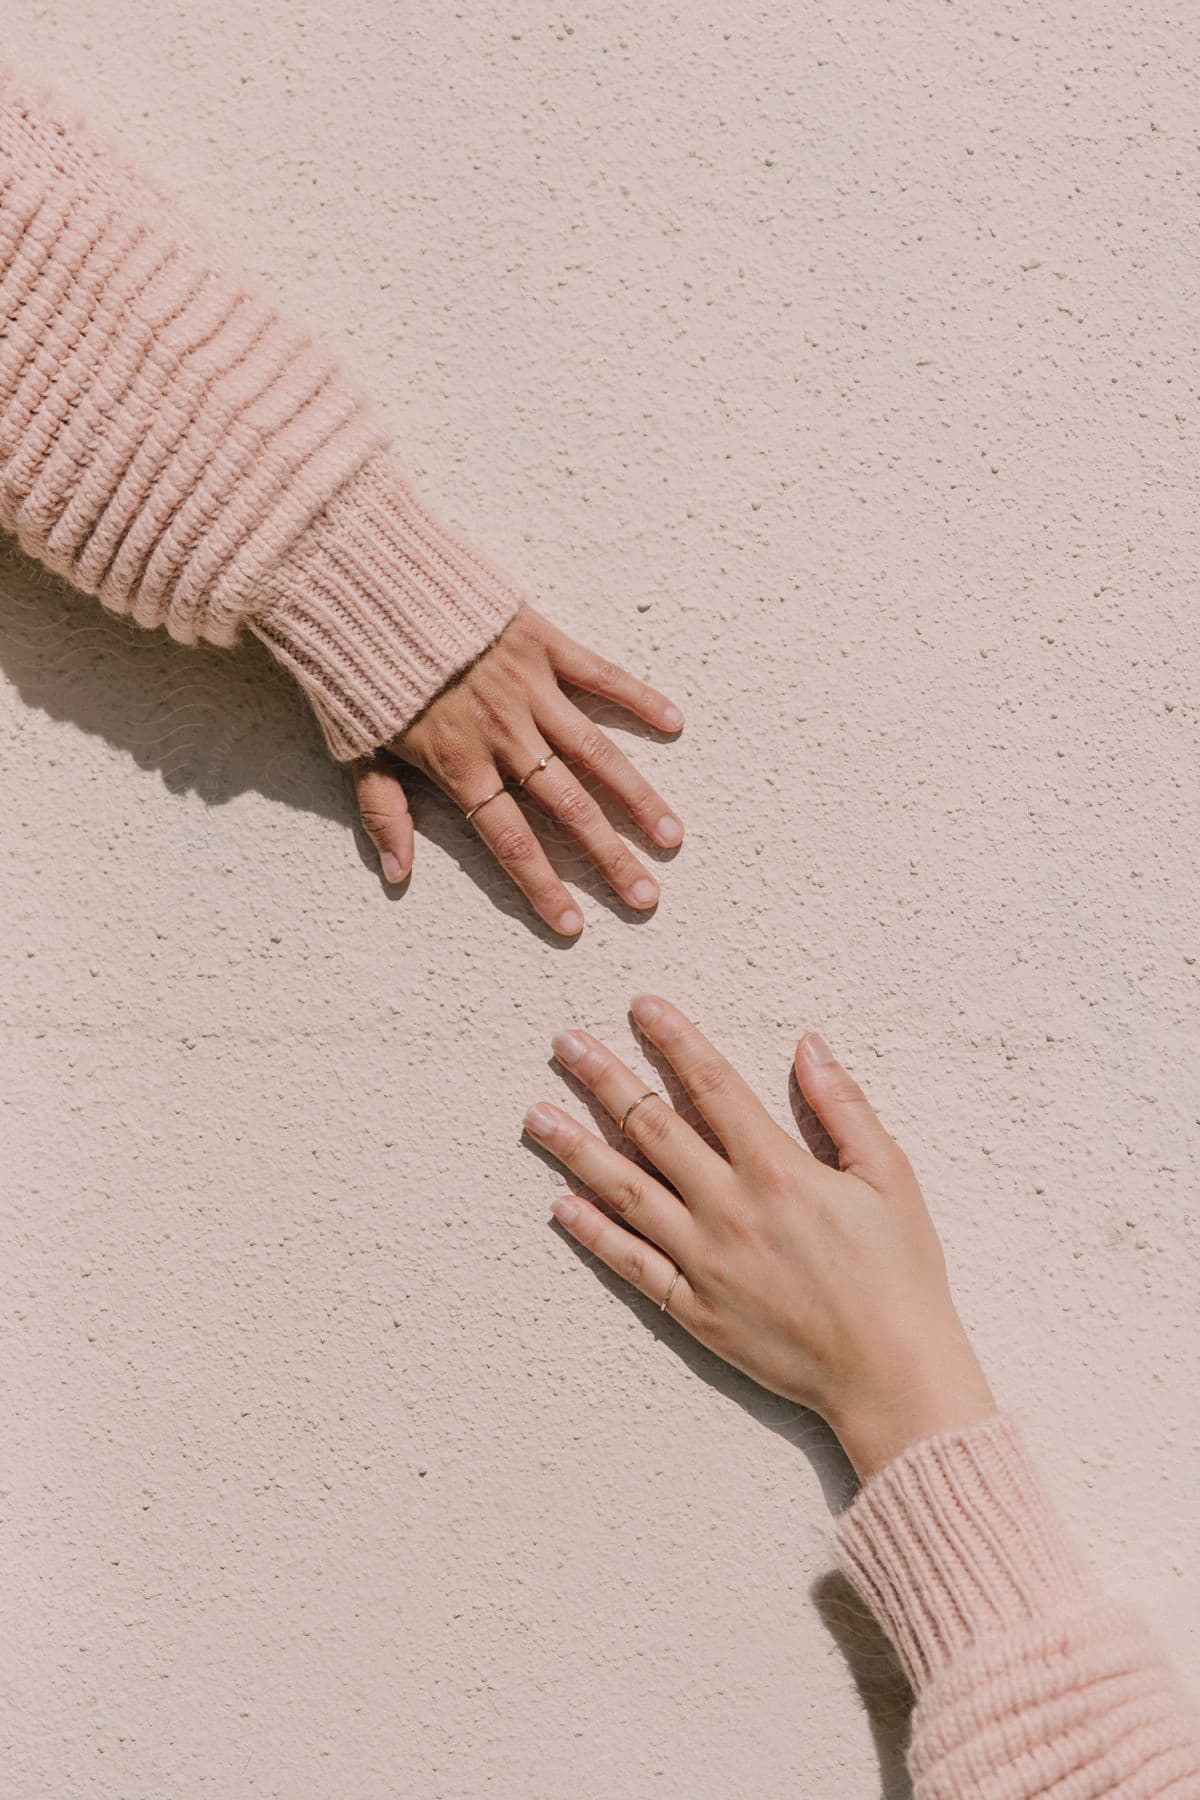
x: 836, y: 367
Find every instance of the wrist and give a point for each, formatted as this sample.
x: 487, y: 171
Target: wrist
x: 376, y: 608
x: 956, y: 1541
x: 944, y: 1392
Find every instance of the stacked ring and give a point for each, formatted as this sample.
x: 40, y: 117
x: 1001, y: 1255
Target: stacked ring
x: 488, y: 798
x: 648, y: 1095
x: 538, y: 766
x: 480, y: 804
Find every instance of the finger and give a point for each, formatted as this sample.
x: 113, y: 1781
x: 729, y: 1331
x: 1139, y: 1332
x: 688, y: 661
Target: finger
x: 587, y: 747
x: 383, y: 809
x: 503, y: 828
x: 726, y: 1101
x: 653, y: 1126
x: 863, y: 1144
x: 555, y: 790
x: 637, y: 1262
x: 637, y: 1199
x: 597, y: 675
x: 508, y: 835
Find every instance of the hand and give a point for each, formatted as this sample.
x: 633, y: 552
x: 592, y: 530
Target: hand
x: 826, y: 1285
x: 495, y: 724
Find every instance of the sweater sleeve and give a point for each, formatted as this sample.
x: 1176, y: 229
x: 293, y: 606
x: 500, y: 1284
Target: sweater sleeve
x: 1028, y: 1681
x: 171, y: 445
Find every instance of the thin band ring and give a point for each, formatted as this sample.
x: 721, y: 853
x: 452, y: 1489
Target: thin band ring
x: 538, y: 766
x: 480, y: 804
x: 670, y: 1290
x: 648, y: 1095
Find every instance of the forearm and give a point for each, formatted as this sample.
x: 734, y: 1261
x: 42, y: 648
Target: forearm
x: 170, y: 444
x: 1025, y: 1675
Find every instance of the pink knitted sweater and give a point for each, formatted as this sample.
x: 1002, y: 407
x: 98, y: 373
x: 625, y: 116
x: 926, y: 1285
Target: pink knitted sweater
x: 171, y: 445
x: 1028, y: 1680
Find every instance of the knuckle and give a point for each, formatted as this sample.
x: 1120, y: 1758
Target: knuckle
x: 513, y: 847
x: 490, y: 709
x: 413, y: 749
x: 525, y: 627
x: 706, y: 1316
x: 375, y: 821
x: 523, y: 646
x: 652, y: 1124
x: 574, y: 807
x: 773, y: 1170
x: 635, y: 1268
x: 547, y: 896
x: 708, y: 1079
x: 622, y: 869
x: 595, y: 749
x: 447, y: 755
x: 626, y: 1197
x: 894, y: 1161
x: 668, y: 1028
x: 739, y: 1223
x: 610, y: 673
x: 589, y: 1226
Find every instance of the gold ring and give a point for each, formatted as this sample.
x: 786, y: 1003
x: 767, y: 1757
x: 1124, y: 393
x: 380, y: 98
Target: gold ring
x: 648, y: 1095
x: 480, y: 804
x: 538, y: 766
x: 670, y: 1291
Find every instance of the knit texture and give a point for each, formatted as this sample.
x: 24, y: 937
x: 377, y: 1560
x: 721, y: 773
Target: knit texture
x: 173, y: 446
x: 1028, y: 1680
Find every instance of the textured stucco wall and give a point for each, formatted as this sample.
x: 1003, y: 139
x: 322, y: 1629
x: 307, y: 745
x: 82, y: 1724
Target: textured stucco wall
x: 859, y: 342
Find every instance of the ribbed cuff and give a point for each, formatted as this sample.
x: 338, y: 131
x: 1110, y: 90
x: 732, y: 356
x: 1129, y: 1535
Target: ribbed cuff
x: 957, y: 1539
x: 376, y: 608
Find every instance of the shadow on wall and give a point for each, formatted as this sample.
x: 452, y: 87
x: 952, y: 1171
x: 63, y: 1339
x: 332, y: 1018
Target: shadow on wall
x: 219, y: 723
x: 882, y: 1685
x: 216, y: 723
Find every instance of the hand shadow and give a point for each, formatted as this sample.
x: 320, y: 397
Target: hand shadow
x: 219, y: 723
x: 216, y: 723
x: 882, y: 1687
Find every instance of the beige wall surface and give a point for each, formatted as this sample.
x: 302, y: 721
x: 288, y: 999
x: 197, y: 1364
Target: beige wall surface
x: 836, y: 367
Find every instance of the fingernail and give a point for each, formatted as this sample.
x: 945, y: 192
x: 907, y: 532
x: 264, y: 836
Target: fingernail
x: 645, y: 1010
x: 816, y: 1049
x: 570, y: 922
x: 669, y: 831
x: 540, y: 1121
x: 566, y: 1210
x: 567, y: 1047
x: 390, y: 864
x: 672, y: 718
x: 644, y: 892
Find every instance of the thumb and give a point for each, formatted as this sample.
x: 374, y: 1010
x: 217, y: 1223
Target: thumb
x: 862, y: 1143
x: 386, y: 819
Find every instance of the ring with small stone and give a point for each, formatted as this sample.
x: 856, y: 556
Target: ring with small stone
x: 538, y: 766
